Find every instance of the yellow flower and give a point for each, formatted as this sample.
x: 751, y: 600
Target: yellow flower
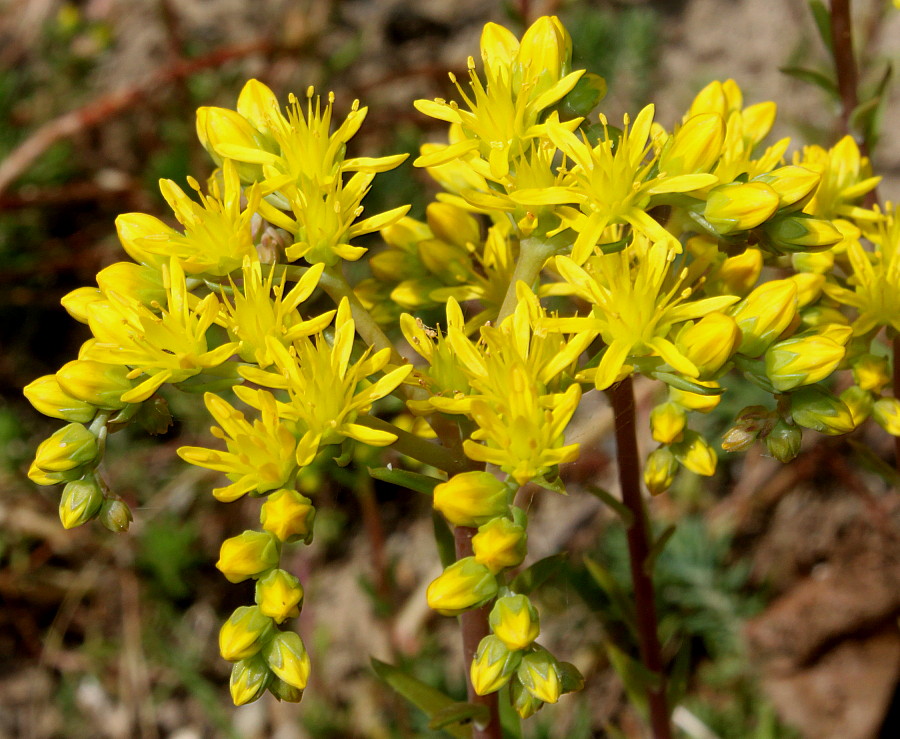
x: 814, y: 408
x: 46, y: 395
x: 739, y: 206
x: 97, y: 383
x: 660, y: 470
x: 709, y: 342
x: 667, y: 421
x: 169, y: 347
x: 260, y: 456
x: 764, y: 314
x: 886, y: 413
x: 694, y: 453
x: 326, y: 392
x: 279, y: 595
x: 247, y: 555
x: 845, y: 176
x: 64, y: 454
x: 289, y: 515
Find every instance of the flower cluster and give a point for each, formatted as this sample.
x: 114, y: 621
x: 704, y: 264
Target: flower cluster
x: 566, y: 255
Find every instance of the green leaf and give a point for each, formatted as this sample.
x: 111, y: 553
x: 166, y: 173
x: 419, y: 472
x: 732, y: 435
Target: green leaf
x: 656, y: 550
x: 528, y: 580
x: 636, y: 679
x: 814, y: 77
x: 412, y: 480
x: 823, y: 23
x: 443, y: 537
x: 617, y: 505
x: 510, y: 721
x: 617, y: 596
x: 864, y: 117
x: 430, y: 700
x: 459, y: 713
x: 588, y: 92
x: 872, y: 462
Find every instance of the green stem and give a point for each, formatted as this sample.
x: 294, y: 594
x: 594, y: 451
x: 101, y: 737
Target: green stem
x: 533, y: 254
x: 337, y: 287
x: 622, y: 398
x: 418, y: 448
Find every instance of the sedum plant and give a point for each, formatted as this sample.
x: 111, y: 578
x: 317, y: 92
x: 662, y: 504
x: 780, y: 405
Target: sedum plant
x: 566, y: 253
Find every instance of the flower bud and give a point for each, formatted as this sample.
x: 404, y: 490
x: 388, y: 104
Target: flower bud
x: 67, y: 449
x: 97, y: 383
x: 464, y: 585
x: 226, y: 134
x: 247, y: 555
x: 695, y: 147
x: 539, y: 675
x: 753, y: 421
x: 279, y: 595
x: 493, y: 665
x: 499, y: 47
x: 76, y: 302
x: 794, y: 185
x: 284, y: 692
x: 667, y: 421
x: 287, y: 658
x: 886, y: 413
x: 257, y: 103
x: 660, y: 470
x: 870, y: 372
x: 809, y: 287
x: 739, y: 273
x: 244, y: 633
x: 783, y: 441
x: 515, y: 621
x: 544, y: 53
x: 525, y: 703
x: 696, y: 401
x: 739, y: 206
x: 115, y: 515
x: 472, y: 498
x: 249, y: 679
x: 859, y: 402
x: 500, y: 543
x: 452, y: 225
x: 764, y: 314
x: 289, y: 515
x: 81, y: 501
x: 49, y: 398
x: 803, y: 360
x: 136, y: 281
x: 694, y: 453
x: 818, y: 262
x: 800, y: 232
x: 814, y: 408
x: 135, y: 228
x: 710, y: 342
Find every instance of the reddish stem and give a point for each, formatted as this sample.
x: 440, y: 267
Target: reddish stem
x: 622, y: 399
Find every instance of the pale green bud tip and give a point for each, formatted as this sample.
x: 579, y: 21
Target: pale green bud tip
x: 287, y: 658
x: 67, y: 449
x: 493, y: 665
x: 249, y: 679
x: 814, y: 408
x: 764, y: 314
x: 783, y: 441
x: 740, y: 206
x: 802, y: 361
x: 500, y: 543
x: 886, y: 413
x: 243, y: 634
x: 472, y: 498
x: 515, y: 621
x: 464, y: 585
x: 279, y: 595
x: 660, y: 470
x: 81, y: 501
x: 247, y: 555
x: 288, y: 515
x: 751, y: 422
x: 539, y: 674
x: 801, y: 232
x: 115, y: 515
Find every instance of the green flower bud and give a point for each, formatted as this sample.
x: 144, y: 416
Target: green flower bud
x: 249, y: 679
x: 814, y: 408
x: 244, y: 633
x: 753, y: 421
x: 97, y: 383
x: 817, y: 316
x: 472, y: 498
x: 279, y: 595
x: 464, y: 585
x: 500, y: 543
x: 871, y: 372
x: 49, y: 398
x: 694, y: 453
x: 696, y: 401
x: 115, y: 515
x: 284, y: 692
x: 783, y: 441
x: 493, y: 665
x: 710, y: 342
x: 660, y: 470
x: 539, y: 675
x: 81, y: 501
x: 67, y: 449
x: 287, y: 658
x: 800, y: 232
x: 794, y: 185
x: 524, y: 702
x: 859, y: 402
x: 289, y: 515
x: 764, y: 314
x: 739, y: 206
x: 247, y: 555
x: 886, y: 413
x: 667, y: 421
x: 802, y: 360
x: 819, y: 262
x: 515, y: 621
